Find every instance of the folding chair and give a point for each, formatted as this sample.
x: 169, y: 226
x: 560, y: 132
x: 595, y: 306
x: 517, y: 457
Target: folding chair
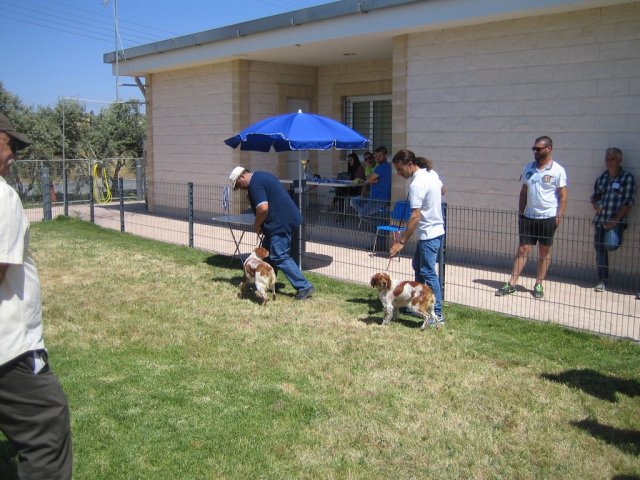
x: 399, y: 216
x: 379, y: 212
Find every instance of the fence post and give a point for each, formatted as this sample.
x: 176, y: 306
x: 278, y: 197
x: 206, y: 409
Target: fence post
x: 191, y: 214
x: 65, y: 191
x: 46, y: 193
x: 121, y: 194
x: 92, y: 217
x: 139, y: 183
x: 443, y: 251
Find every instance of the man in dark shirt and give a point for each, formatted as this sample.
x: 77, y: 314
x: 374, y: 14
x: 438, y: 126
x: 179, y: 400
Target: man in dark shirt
x: 276, y: 217
x: 612, y: 198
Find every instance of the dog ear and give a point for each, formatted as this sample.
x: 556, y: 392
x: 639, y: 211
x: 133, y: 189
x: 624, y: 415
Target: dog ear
x: 374, y: 280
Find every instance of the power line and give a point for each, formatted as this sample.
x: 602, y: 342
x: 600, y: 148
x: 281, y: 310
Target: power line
x: 58, y: 20
x: 106, y: 18
x: 72, y: 32
x: 70, y: 23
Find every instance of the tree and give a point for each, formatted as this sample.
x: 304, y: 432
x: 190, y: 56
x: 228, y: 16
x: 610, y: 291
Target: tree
x: 118, y: 133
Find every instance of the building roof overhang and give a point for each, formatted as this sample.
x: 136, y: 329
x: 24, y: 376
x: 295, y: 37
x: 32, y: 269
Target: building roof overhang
x: 334, y: 33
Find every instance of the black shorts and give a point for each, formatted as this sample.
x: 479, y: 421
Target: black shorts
x: 532, y: 230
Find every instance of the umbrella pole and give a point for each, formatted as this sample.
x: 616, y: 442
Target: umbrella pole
x: 300, y: 179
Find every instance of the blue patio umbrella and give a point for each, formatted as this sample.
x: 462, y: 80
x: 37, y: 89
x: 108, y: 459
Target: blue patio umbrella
x: 297, y: 132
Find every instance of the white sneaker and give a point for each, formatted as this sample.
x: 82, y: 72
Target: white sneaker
x: 600, y: 287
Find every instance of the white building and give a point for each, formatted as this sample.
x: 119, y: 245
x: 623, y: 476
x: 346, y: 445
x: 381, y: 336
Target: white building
x: 469, y: 84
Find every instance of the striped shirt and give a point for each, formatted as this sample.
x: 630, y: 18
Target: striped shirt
x: 611, y: 194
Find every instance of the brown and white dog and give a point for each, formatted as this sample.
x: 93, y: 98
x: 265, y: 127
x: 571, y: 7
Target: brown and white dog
x: 260, y: 273
x: 394, y: 294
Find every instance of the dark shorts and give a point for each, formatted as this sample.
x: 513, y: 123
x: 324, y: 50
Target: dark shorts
x: 533, y: 230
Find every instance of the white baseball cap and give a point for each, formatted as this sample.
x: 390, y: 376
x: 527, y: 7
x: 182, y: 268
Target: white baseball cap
x: 235, y: 174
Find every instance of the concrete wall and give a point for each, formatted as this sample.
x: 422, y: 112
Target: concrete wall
x: 192, y: 112
x: 478, y: 96
x: 270, y: 85
x: 335, y: 84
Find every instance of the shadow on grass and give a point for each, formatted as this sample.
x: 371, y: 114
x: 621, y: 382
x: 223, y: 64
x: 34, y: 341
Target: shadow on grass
x: 376, y: 307
x: 233, y: 263
x: 596, y: 384
x: 625, y: 477
x: 224, y: 261
x: 626, y: 440
x: 370, y: 320
x: 8, y: 466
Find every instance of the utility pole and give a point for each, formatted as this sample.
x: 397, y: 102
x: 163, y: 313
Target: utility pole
x: 115, y: 36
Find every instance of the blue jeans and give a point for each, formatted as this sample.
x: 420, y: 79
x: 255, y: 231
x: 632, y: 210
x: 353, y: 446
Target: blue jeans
x: 279, y: 246
x: 603, y: 248
x: 424, y: 266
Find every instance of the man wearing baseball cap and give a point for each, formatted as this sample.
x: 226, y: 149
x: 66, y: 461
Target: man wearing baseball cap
x: 34, y: 413
x: 276, y: 217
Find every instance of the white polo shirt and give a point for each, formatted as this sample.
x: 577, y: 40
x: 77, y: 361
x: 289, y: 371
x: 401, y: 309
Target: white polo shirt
x: 20, y: 303
x: 425, y: 194
x: 542, y: 189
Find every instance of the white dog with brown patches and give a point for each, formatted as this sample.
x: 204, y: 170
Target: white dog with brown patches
x: 394, y: 294
x: 260, y: 273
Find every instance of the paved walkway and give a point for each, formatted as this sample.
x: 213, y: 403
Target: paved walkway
x: 565, y: 303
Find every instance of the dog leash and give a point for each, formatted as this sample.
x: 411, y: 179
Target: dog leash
x: 395, y: 234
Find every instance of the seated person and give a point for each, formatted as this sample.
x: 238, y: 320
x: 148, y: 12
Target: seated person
x: 369, y: 165
x: 379, y: 183
x: 356, y: 173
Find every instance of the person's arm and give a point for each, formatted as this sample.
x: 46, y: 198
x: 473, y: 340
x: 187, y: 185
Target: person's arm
x: 261, y: 216
x: 617, y: 218
x: 629, y: 192
x: 595, y: 196
x: 373, y: 178
x: 404, y: 237
x: 562, y: 204
x: 3, y: 271
x: 522, y: 202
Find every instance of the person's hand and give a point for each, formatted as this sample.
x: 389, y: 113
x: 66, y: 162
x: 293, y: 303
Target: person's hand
x: 596, y: 208
x: 395, y: 248
x: 257, y: 228
x: 609, y: 225
x: 558, y: 220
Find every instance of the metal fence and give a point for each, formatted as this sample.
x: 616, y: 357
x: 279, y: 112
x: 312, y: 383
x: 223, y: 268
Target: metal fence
x: 480, y: 248
x: 55, y: 184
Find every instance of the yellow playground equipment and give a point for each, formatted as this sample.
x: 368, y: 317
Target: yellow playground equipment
x: 101, y: 188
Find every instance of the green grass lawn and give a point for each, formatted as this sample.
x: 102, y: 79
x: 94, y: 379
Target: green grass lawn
x: 170, y: 376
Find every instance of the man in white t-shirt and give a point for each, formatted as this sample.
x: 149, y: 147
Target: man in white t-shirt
x: 425, y: 200
x: 543, y: 199
x: 34, y: 413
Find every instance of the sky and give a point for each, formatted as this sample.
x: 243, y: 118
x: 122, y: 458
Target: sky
x: 54, y: 48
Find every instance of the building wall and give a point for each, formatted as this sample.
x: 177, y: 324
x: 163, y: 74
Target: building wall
x: 270, y: 85
x: 335, y: 84
x: 192, y: 112
x: 478, y: 96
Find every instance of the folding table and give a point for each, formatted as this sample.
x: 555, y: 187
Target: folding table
x: 243, y: 222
